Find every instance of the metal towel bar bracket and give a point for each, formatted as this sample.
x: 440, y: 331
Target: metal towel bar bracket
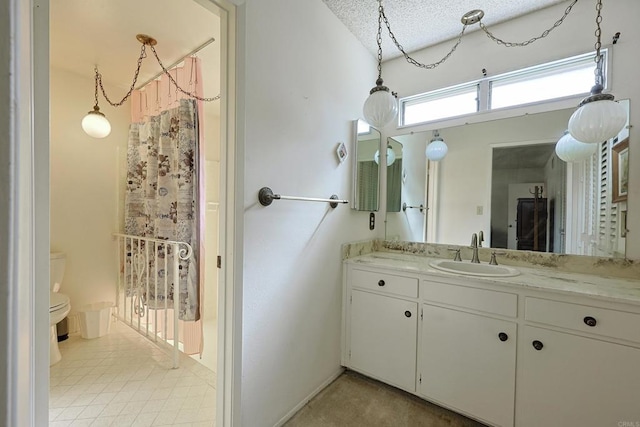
x: 266, y: 197
x: 405, y: 207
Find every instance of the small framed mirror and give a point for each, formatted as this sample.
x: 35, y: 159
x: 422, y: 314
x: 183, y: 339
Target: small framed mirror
x: 366, y: 171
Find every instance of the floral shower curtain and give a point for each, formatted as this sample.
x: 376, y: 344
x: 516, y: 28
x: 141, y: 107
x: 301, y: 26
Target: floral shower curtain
x: 162, y: 195
x: 164, y: 117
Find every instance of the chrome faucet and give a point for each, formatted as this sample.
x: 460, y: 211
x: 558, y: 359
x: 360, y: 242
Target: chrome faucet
x: 480, y: 238
x: 474, y: 246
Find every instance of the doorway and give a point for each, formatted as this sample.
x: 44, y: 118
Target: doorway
x: 219, y: 200
x: 525, y: 176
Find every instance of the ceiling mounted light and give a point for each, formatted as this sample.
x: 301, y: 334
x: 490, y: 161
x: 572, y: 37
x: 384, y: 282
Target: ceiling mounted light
x: 391, y: 156
x: 95, y: 123
x: 598, y: 117
x: 570, y: 149
x: 437, y: 149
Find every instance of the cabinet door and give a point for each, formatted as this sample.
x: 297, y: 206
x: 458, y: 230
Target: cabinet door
x: 384, y: 338
x: 576, y: 381
x: 467, y: 365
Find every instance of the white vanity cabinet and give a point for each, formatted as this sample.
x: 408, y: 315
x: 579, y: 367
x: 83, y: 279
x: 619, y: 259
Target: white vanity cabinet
x: 586, y: 380
x: 468, y: 363
x: 382, y: 327
x: 468, y: 360
x: 506, y: 353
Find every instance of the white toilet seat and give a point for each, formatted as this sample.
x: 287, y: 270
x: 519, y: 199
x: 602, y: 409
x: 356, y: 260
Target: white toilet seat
x: 59, y: 307
x: 57, y: 300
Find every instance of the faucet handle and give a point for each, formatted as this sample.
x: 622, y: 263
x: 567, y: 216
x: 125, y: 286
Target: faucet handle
x: 457, y: 256
x: 493, y: 257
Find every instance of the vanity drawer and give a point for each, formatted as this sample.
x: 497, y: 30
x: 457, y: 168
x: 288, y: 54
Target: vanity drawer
x: 601, y: 321
x: 384, y: 282
x: 488, y: 301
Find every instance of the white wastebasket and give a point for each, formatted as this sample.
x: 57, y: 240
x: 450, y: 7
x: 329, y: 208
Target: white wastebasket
x: 95, y: 319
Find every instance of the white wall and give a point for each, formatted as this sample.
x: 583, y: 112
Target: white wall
x: 306, y: 79
x: 573, y: 37
x: 87, y: 178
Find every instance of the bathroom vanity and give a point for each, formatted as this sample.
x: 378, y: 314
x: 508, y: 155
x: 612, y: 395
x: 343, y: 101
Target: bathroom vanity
x: 543, y: 348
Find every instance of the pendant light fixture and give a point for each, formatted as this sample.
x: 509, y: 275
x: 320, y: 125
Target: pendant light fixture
x: 391, y: 156
x: 381, y: 107
x: 95, y: 123
x: 598, y: 117
x: 437, y: 149
x: 570, y: 149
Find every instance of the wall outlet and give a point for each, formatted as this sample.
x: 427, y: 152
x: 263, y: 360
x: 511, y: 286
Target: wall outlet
x: 479, y: 210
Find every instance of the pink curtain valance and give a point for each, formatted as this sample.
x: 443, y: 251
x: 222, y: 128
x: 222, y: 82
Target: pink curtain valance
x: 161, y: 94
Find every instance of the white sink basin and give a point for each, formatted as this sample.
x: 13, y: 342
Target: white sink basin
x: 471, y: 269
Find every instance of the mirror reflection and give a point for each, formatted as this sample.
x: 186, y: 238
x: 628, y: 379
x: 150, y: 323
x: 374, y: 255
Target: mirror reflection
x: 366, y: 182
x: 394, y: 175
x: 504, y: 178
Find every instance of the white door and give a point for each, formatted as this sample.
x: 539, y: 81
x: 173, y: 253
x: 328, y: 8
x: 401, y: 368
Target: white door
x: 384, y: 338
x: 576, y: 381
x: 517, y: 191
x: 468, y: 363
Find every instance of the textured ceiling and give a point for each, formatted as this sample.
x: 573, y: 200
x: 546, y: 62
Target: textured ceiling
x: 421, y: 23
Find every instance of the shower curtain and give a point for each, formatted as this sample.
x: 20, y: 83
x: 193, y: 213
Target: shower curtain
x: 161, y: 196
x: 165, y: 197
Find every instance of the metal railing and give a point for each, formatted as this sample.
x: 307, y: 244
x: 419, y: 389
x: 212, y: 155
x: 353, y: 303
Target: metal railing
x: 145, y: 284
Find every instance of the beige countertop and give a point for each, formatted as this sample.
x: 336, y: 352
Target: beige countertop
x: 536, y: 278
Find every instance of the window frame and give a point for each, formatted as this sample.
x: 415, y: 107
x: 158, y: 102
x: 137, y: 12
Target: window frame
x: 437, y: 95
x: 546, y: 69
x: 484, y: 87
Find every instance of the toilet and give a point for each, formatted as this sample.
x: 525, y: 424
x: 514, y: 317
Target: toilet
x: 59, y: 304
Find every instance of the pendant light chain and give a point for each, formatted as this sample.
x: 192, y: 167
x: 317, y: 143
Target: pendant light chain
x: 189, y: 94
x: 598, y: 45
x: 143, y: 55
x: 544, y: 34
x: 406, y: 55
x: 379, y: 38
x: 95, y: 93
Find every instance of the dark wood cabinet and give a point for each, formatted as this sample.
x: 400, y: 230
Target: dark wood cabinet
x: 532, y: 221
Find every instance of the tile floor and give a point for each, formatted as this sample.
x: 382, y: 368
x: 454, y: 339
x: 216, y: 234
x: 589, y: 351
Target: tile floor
x: 123, y: 379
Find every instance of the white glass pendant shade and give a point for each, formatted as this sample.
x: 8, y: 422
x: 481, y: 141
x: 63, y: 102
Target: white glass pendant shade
x: 597, y: 121
x: 95, y: 124
x: 570, y: 149
x: 380, y: 108
x: 436, y: 150
x: 391, y: 156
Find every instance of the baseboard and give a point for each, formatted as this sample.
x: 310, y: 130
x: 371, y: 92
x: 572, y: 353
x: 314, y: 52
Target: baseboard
x: 306, y: 400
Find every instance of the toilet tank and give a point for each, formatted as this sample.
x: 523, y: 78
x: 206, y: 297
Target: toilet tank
x: 56, y: 270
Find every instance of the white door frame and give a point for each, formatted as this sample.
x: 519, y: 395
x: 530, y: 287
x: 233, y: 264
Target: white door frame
x: 229, y: 292
x: 24, y: 219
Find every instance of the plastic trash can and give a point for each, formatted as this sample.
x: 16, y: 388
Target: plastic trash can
x: 95, y: 319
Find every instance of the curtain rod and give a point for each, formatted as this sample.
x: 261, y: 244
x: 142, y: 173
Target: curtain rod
x: 193, y: 52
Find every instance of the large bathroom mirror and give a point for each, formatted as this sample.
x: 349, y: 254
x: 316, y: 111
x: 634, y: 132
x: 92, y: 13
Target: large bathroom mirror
x: 366, y: 171
x: 503, y: 177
